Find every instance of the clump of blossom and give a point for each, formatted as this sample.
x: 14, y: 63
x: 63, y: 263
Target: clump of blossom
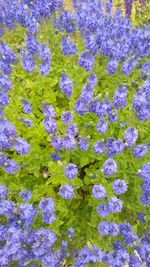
x: 66, y: 116
x: 47, y: 208
x: 27, y: 107
x: 99, y: 192
x: 109, y: 167
x: 66, y: 191
x: 139, y: 151
x: 99, y: 147
x: 119, y: 186
x: 68, y: 47
x: 130, y: 136
x: 86, y: 61
x: 71, y: 171
x: 66, y: 85
x: 102, y: 126
x: 25, y: 195
x: 115, y: 204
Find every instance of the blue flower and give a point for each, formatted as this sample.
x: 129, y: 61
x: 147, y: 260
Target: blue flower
x: 66, y: 116
x: 10, y: 166
x: 119, y: 186
x: 72, y: 129
x: 4, y: 99
x: 68, y: 47
x: 21, y: 146
x: 69, y: 142
x: 25, y: 195
x: 71, y: 171
x: 119, y: 98
x: 86, y: 61
x: 66, y: 85
x: 139, y: 151
x: 66, y: 191
x: 102, y: 126
x: 83, y: 143
x: 131, y: 135
x: 103, y: 210
x: 115, y: 205
x: 3, y: 192
x: 99, y: 192
x: 99, y: 147
x: 103, y: 228
x: 109, y: 167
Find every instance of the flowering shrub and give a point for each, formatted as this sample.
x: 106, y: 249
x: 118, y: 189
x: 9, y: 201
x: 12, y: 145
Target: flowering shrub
x: 74, y: 136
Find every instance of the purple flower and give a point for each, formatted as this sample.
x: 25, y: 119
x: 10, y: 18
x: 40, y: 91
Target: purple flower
x: 66, y: 116
x: 130, y: 135
x: 3, y: 192
x: 139, y: 151
x: 102, y: 126
x: 72, y: 129
x: 80, y: 107
x: 56, y: 142
x: 7, y: 208
x: 4, y: 99
x: 119, y: 186
x: 3, y: 159
x: 112, y: 116
x: 135, y: 261
x: 103, y: 210
x: 47, y: 204
x: 21, y: 146
x: 92, y: 80
x: 103, y: 228
x: 43, y: 240
x: 48, y: 110
x: 131, y: 239
x: 47, y: 207
x: 113, y: 229
x: 45, y: 54
x: 70, y: 233
x: 5, y: 82
x: 112, y: 66
x: 67, y: 191
x: 69, y: 142
x: 99, y: 147
x: 145, y: 198
x: 68, y: 47
x: 144, y: 172
x: 114, y: 147
x: 27, y: 61
x: 86, y: 61
x: 115, y: 204
x: 10, y: 166
x: 50, y: 125
x: 109, y: 167
x: 26, y: 122
x: 83, y: 143
x: 125, y: 228
x: 128, y: 66
x: 71, y: 171
x: 27, y: 214
x: 119, y: 99
x: 55, y: 157
x: 44, y: 68
x: 141, y: 217
x: 66, y: 85
x: 32, y: 44
x: 25, y: 195
x: 99, y: 192
x: 48, y: 218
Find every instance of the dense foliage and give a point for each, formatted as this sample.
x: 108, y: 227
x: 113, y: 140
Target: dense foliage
x: 74, y: 136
